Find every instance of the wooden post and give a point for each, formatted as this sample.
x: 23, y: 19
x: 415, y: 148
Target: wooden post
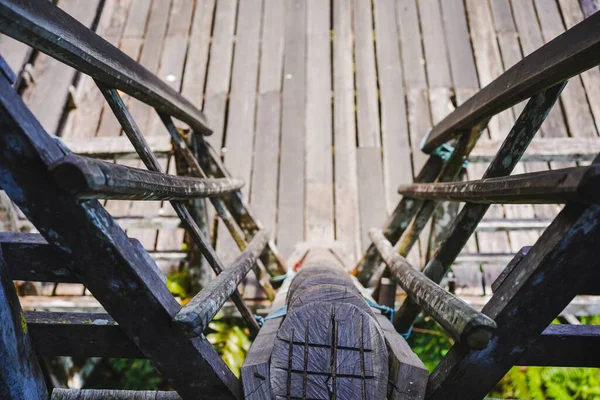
x: 20, y: 374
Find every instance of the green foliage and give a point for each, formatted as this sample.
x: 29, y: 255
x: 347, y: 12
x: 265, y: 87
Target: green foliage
x: 136, y: 374
x: 230, y: 341
x: 429, y: 342
x: 178, y: 284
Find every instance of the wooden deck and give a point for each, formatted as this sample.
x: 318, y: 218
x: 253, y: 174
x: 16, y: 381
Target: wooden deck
x: 321, y: 106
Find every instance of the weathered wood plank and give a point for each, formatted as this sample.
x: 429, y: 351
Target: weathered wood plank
x: 263, y: 186
x: 554, y: 62
x: 20, y: 372
x: 367, y: 111
x: 394, y: 125
x: 292, y: 165
x: 219, y: 69
x: 100, y: 394
x: 434, y: 43
x: 347, y: 229
x: 371, y: 192
x: 319, y: 147
x: 543, y: 150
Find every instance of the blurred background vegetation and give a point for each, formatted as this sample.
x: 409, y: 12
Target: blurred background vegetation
x: 428, y: 340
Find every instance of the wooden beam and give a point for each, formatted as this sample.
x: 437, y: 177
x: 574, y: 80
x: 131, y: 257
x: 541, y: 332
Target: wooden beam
x: 47, y: 28
x: 20, y: 372
x: 101, y: 394
x: 79, y: 335
x: 95, y: 179
x: 461, y: 321
x: 116, y: 271
x: 512, y: 224
x: 543, y: 150
x: 577, y: 184
x: 115, y: 147
x: 569, y: 54
x: 564, y: 346
x: 194, y: 317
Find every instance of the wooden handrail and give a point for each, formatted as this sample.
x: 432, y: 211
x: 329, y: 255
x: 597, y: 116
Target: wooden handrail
x: 571, y: 53
x: 45, y: 27
x: 577, y: 184
x: 95, y: 179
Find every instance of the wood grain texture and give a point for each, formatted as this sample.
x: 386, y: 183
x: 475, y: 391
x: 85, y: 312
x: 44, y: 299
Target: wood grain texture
x: 324, y: 350
x: 371, y: 192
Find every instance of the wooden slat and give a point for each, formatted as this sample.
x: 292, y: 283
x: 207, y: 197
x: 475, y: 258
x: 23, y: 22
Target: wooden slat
x: 99, y: 394
x: 263, y: 186
x: 20, y: 372
x: 239, y: 137
x: 554, y: 62
x: 371, y: 193
x: 291, y: 212
x: 319, y: 224
x: 52, y: 78
x: 367, y: 112
x: 434, y: 43
x: 394, y: 125
x: 550, y: 187
x: 219, y: 69
x: 347, y: 229
x: 115, y: 147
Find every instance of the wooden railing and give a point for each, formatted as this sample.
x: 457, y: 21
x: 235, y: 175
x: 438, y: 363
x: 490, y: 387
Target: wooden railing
x: 542, y: 280
x: 80, y: 242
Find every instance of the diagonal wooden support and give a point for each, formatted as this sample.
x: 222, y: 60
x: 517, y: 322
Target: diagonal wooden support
x: 118, y: 273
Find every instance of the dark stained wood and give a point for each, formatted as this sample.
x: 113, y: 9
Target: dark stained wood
x: 292, y: 164
x: 543, y: 287
x: 510, y: 267
x: 194, y: 317
x: 464, y: 323
x: 564, y: 346
x: 324, y: 350
x: 37, y: 18
x: 554, y: 62
x: 114, y: 270
x: 79, y: 335
x: 20, y: 372
x: 464, y: 225
x: 93, y: 179
x: 545, y: 187
x: 407, y: 374
x: 101, y: 394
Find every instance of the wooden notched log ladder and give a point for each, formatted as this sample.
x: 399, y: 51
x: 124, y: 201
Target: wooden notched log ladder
x: 324, y: 337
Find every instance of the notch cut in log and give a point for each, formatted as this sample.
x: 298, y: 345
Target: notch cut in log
x: 578, y: 184
x: 95, y: 179
x: 461, y: 321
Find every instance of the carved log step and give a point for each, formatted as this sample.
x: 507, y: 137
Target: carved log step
x: 329, y: 293
x: 329, y: 350
x: 320, y: 279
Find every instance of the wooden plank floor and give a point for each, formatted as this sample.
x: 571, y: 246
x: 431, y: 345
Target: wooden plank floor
x: 321, y: 106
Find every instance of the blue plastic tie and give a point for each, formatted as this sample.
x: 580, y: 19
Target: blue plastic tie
x: 387, y: 311
x: 406, y: 335
x: 280, y: 312
x: 444, y: 151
